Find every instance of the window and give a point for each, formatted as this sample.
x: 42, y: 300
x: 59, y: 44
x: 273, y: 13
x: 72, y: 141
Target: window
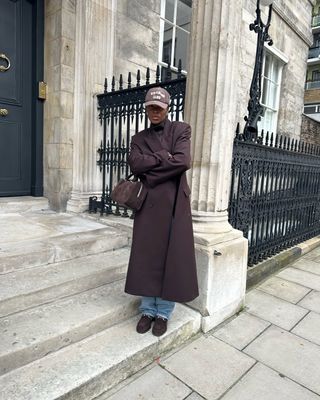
x: 316, y: 75
x: 175, y: 25
x: 271, y: 81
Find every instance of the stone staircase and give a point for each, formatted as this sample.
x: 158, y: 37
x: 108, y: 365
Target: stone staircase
x: 67, y: 328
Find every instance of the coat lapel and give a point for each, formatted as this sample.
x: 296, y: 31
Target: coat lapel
x: 152, y: 140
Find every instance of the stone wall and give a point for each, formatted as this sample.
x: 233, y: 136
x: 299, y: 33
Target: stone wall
x: 137, y: 37
x: 310, y: 130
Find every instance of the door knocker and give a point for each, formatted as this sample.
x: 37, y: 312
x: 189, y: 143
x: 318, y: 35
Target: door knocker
x: 4, y: 68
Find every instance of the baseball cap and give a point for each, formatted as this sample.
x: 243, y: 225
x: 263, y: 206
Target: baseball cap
x: 157, y: 96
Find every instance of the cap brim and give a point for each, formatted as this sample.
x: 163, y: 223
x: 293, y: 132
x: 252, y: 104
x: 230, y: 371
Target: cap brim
x: 156, y: 103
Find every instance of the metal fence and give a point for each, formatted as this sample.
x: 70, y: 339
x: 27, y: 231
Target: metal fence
x: 122, y: 114
x: 275, y: 193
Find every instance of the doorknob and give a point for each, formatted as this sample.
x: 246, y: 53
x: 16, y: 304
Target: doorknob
x: 3, y: 112
x: 2, y: 67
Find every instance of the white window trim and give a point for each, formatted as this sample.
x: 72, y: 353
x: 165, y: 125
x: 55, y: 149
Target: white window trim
x: 173, y: 23
x: 284, y: 59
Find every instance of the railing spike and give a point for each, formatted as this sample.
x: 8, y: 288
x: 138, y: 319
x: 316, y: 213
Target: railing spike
x: 138, y: 78
x: 158, y: 74
x: 280, y: 141
x: 113, y: 84
x: 271, y: 139
x: 148, y: 76
x: 276, y: 140
x: 296, y: 145
x: 106, y: 85
x: 267, y: 137
x: 129, y: 80
x: 292, y: 144
x: 120, y: 82
x: 179, y: 68
x: 285, y: 143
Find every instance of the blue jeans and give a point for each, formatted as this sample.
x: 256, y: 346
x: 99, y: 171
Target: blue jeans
x: 155, y: 306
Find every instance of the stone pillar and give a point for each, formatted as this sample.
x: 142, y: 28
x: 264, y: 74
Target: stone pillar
x: 221, y: 251
x: 58, y: 108
x: 94, y: 47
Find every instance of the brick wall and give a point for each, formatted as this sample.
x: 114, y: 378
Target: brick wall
x: 312, y: 96
x: 310, y: 130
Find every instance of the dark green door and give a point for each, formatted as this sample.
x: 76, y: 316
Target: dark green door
x: 16, y: 97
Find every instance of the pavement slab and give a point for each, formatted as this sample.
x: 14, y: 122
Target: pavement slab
x: 221, y: 366
x: 290, y: 355
x: 156, y: 384
x: 309, y: 328
x: 241, y: 330
x: 313, y: 254
x: 283, y: 289
x: 307, y: 265
x: 274, y: 310
x: 195, y: 396
x: 311, y: 301
x: 304, y: 278
x: 262, y: 383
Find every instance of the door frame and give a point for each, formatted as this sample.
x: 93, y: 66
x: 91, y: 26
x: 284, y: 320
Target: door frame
x: 37, y: 104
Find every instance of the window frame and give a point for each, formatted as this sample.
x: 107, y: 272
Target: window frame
x: 276, y: 55
x: 174, y: 26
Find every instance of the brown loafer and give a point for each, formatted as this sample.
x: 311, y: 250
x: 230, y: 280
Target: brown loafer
x: 159, y: 326
x: 144, y: 323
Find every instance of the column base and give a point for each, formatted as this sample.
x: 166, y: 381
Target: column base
x: 79, y: 201
x: 222, y: 269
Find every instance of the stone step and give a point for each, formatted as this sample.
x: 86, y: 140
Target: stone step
x: 88, y: 368
x: 32, y: 334
x: 28, y: 288
x: 23, y: 204
x: 49, y: 250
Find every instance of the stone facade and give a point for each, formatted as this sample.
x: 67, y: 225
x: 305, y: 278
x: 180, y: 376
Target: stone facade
x: 310, y: 130
x: 88, y: 41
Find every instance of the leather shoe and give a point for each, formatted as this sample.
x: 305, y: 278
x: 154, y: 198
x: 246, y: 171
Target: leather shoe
x: 160, y: 326
x: 144, y: 323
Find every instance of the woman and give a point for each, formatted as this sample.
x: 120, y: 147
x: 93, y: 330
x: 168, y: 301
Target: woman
x: 162, y: 267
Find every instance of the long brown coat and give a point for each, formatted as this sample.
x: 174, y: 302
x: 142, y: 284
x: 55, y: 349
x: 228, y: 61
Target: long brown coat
x: 162, y: 260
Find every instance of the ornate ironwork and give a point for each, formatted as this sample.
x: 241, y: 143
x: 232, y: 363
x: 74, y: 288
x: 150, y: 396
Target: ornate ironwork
x: 122, y: 114
x: 255, y: 109
x: 275, y: 193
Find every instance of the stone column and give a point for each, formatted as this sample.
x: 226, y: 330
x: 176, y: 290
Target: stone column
x: 221, y: 251
x: 94, y: 47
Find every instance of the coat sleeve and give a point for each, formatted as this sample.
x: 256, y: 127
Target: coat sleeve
x: 139, y: 162
x: 175, y: 165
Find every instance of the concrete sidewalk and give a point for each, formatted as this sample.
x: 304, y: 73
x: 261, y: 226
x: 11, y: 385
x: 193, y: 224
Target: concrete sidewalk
x: 270, y: 351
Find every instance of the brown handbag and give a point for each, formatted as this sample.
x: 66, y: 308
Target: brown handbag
x: 129, y: 193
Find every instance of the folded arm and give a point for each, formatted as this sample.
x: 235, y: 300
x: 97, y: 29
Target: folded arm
x: 174, y: 164
x: 139, y: 162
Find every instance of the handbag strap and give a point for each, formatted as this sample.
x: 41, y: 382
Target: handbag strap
x: 128, y: 178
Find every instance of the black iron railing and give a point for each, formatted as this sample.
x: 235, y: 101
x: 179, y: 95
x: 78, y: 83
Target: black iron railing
x: 122, y: 114
x: 275, y: 193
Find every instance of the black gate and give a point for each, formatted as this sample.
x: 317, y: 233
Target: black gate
x: 275, y: 193
x: 122, y: 114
